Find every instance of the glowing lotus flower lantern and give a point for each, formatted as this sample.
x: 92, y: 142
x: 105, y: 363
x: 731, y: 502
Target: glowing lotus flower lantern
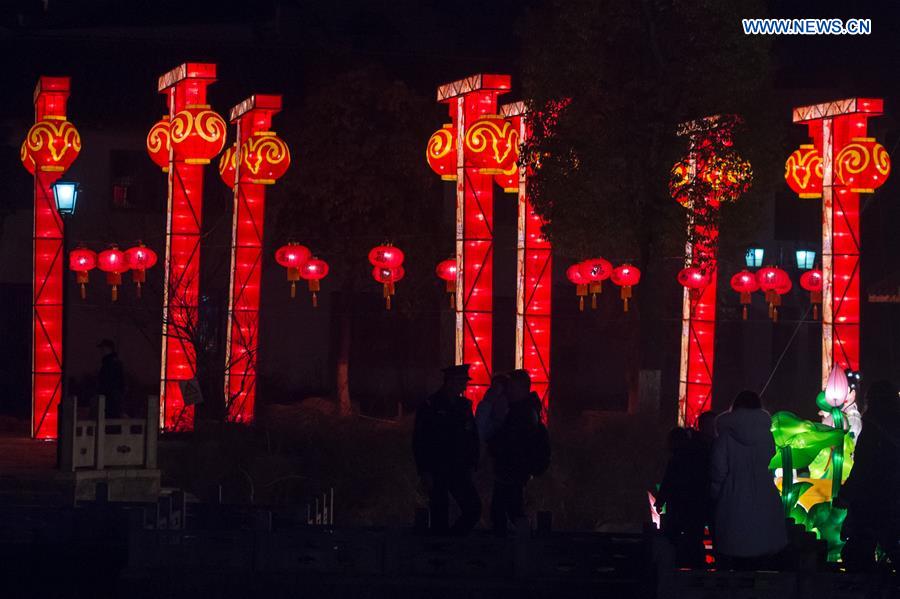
x: 113, y: 262
x: 625, y: 276
x: 595, y: 271
x: 745, y: 284
x: 774, y: 282
x: 446, y: 271
x: 573, y: 273
x: 139, y: 259
x: 293, y: 256
x: 812, y: 281
x: 837, y: 388
x: 803, y: 172
x: 81, y: 262
x: 313, y: 272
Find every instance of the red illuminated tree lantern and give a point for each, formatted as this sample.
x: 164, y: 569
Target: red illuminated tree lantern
x: 446, y: 271
x: 812, y: 281
x: 625, y: 276
x: 158, y: 143
x: 774, y: 282
x: 293, y: 256
x: 492, y: 144
x: 863, y: 165
x: 694, y: 279
x: 264, y: 158
x: 803, y: 172
x: 744, y: 283
x: 573, y: 273
x: 51, y: 145
x: 386, y: 256
x: 388, y: 276
x: 595, y: 271
x: 139, y: 258
x: 228, y: 166
x: 82, y: 261
x: 441, y: 152
x: 313, y: 272
x: 113, y: 262
x: 197, y: 134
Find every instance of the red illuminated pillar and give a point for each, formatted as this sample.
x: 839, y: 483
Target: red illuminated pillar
x: 469, y: 99
x: 50, y: 147
x: 533, y: 280
x: 261, y: 159
x: 832, y: 126
x: 197, y: 135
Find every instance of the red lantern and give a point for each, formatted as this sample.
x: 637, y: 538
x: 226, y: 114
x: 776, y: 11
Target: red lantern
x: 264, y: 158
x: 386, y: 256
x: 228, y: 166
x: 595, y: 271
x: 139, y: 259
x: 803, y: 172
x: 52, y: 145
x: 508, y: 180
x: 812, y: 281
x: 312, y: 272
x: 573, y: 273
x: 387, y: 276
x: 197, y: 134
x: 113, y: 262
x: 774, y: 282
x: 82, y: 261
x: 694, y: 278
x: 492, y: 144
x: 863, y: 165
x: 441, y: 152
x: 446, y: 271
x: 744, y: 283
x: 25, y: 157
x: 625, y: 276
x: 158, y: 143
x: 293, y: 256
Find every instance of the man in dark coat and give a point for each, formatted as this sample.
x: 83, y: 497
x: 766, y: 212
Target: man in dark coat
x: 446, y: 448
x: 111, y: 379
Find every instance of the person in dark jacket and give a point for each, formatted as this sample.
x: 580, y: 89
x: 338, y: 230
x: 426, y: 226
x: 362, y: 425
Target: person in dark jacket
x: 513, y: 447
x: 446, y: 450
x: 684, y: 492
x: 111, y: 379
x: 872, y: 491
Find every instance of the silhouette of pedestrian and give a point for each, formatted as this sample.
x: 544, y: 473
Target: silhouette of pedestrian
x: 111, y: 379
x: 492, y: 409
x: 872, y: 491
x: 446, y: 449
x: 684, y: 493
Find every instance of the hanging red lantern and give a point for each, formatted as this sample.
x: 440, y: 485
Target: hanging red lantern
x: 228, y: 166
x: 744, y: 283
x: 197, y: 134
x: 446, y: 271
x: 293, y: 256
x: 386, y: 256
x: 113, y: 263
x: 812, y: 281
x: 863, y: 165
x: 264, y: 158
x: 492, y: 144
x: 82, y: 261
x: 625, y: 276
x: 158, y: 143
x: 441, y: 152
x: 52, y: 145
x: 388, y: 276
x: 803, y: 172
x: 694, y: 278
x: 573, y: 273
x: 139, y: 258
x: 313, y: 272
x: 595, y: 271
x: 774, y: 282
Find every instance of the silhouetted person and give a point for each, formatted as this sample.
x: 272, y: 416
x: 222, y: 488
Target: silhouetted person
x: 684, y: 492
x: 492, y: 409
x: 750, y: 525
x: 111, y: 379
x: 703, y: 438
x: 446, y: 448
x: 872, y: 492
x: 520, y: 448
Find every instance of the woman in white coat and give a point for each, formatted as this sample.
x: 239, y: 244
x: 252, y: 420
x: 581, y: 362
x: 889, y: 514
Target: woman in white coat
x: 749, y: 516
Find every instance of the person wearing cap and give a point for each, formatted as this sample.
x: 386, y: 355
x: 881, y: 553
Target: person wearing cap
x: 446, y: 450
x: 111, y: 379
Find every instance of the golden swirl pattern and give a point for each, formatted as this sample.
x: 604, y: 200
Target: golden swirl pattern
x: 53, y: 143
x: 158, y: 137
x: 201, y: 125
x: 440, y: 143
x: 227, y: 165
x: 863, y: 164
x: 802, y: 165
x: 26, y: 158
x: 266, y: 156
x: 852, y: 160
x: 496, y: 137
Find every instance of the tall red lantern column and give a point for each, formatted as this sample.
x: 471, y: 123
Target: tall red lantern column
x: 468, y: 99
x: 262, y: 158
x: 49, y: 149
x: 851, y: 164
x: 197, y: 134
x: 534, y: 278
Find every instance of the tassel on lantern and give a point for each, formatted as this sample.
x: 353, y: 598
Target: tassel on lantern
x: 314, y: 289
x: 625, y: 294
x: 388, y: 291
x: 581, y: 291
x: 745, y: 302
x: 114, y: 279
x: 451, y: 291
x: 82, y: 279
x: 293, y: 275
x: 816, y: 298
x: 595, y: 289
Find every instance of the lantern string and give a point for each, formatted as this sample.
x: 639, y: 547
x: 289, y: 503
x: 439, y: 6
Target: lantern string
x: 786, y: 348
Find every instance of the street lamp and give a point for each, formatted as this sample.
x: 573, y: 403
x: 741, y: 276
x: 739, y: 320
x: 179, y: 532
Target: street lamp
x: 754, y: 257
x: 806, y: 259
x: 65, y: 196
